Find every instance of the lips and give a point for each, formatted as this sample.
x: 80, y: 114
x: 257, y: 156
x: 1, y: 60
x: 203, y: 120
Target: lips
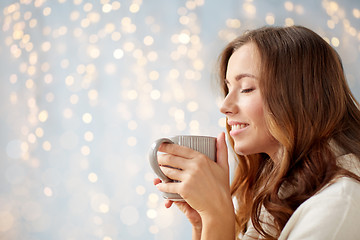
x: 237, y: 127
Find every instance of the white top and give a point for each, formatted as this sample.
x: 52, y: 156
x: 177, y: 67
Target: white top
x: 332, y: 213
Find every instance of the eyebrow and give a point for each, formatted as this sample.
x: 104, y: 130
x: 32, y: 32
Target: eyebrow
x: 241, y: 76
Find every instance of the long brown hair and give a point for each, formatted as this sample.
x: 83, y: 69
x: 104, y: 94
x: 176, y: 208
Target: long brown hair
x: 309, y: 109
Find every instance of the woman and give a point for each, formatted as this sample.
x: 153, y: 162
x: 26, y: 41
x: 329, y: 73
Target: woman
x: 295, y: 128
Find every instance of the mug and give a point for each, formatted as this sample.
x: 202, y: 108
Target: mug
x: 202, y: 144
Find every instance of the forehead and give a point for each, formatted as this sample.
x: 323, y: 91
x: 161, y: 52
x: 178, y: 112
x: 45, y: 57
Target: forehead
x: 245, y: 60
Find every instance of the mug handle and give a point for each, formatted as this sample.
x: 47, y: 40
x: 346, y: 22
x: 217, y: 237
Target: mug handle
x: 154, y: 161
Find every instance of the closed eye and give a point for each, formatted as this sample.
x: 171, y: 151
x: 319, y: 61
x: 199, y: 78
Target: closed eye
x: 247, y: 90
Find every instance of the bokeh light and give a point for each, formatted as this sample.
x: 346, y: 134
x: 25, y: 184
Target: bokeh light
x: 87, y: 86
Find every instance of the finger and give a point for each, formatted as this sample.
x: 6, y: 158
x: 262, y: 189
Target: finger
x: 173, y: 161
x: 156, y: 181
x: 168, y: 203
x: 177, y: 150
x: 222, y: 151
x: 172, y: 173
x: 170, y: 187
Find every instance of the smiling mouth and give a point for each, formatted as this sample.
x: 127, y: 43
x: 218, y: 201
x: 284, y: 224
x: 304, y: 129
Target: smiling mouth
x: 239, y: 126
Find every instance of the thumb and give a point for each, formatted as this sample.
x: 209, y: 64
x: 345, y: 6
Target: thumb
x: 222, y: 152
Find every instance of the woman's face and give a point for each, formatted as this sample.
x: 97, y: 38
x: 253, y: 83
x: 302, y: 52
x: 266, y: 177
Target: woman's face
x: 243, y: 105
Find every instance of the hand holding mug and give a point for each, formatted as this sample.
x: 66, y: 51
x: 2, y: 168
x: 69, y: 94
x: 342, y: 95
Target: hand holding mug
x: 203, y: 183
x: 203, y: 144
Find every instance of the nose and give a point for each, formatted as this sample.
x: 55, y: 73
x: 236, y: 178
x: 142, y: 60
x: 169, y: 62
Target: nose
x: 229, y: 106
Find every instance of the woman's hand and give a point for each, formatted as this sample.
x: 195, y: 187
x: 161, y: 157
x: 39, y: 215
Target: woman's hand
x: 192, y: 215
x: 189, y: 212
x: 204, y: 184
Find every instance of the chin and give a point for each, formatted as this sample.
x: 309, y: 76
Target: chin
x: 240, y: 151
x: 243, y: 150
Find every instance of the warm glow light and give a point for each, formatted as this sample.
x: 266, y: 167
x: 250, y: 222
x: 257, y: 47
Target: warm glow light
x: 335, y: 42
x: 87, y: 118
x: 43, y: 116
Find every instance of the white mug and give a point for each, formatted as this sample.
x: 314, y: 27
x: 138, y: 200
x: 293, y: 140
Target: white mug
x: 202, y: 144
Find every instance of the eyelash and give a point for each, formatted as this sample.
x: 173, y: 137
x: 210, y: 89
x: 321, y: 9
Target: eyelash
x: 247, y: 90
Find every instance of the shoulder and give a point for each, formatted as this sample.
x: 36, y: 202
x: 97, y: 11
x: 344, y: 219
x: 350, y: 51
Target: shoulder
x: 330, y: 214
x: 344, y: 189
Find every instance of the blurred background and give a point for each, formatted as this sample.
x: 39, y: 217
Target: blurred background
x: 87, y: 86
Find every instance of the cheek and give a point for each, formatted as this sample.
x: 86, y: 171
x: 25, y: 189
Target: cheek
x: 262, y: 130
x: 256, y: 110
